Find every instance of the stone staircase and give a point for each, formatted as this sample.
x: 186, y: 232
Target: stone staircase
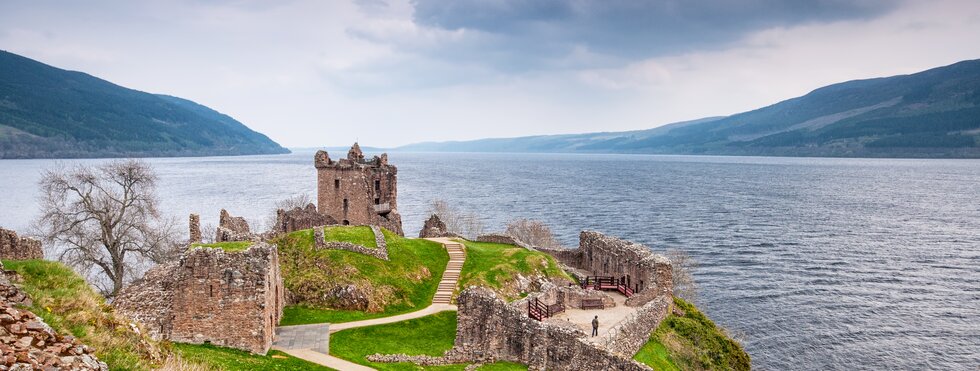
x: 444, y: 294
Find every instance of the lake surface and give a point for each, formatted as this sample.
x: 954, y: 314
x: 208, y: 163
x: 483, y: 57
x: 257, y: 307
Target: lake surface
x: 815, y: 263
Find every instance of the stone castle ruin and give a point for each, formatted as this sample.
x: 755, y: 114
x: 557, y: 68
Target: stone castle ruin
x: 630, y: 264
x: 13, y: 247
x: 490, y: 329
x: 355, y: 191
x: 231, y: 299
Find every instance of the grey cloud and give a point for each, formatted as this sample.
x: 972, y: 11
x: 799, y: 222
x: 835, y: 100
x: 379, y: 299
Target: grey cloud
x: 537, y: 32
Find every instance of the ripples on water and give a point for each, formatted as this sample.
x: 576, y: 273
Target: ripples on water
x: 818, y: 263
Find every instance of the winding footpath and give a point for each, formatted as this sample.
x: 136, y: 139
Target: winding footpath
x: 310, y: 342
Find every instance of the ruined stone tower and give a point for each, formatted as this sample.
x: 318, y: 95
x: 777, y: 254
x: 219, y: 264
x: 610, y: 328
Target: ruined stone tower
x: 355, y: 191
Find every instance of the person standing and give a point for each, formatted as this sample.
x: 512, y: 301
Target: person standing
x: 595, y: 326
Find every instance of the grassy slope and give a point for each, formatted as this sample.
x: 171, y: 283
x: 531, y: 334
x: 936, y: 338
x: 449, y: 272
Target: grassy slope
x: 69, y: 305
x: 692, y: 342
x: 233, y: 246
x: 431, y: 335
x: 234, y: 359
x: 496, y: 266
x: 405, y: 283
x: 360, y: 235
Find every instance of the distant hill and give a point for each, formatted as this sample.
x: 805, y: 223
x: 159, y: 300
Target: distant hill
x: 935, y: 113
x: 47, y: 112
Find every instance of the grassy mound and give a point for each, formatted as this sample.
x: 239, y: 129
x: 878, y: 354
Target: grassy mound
x: 496, y: 266
x: 430, y: 335
x: 232, y: 246
x: 359, y: 235
x: 70, y: 306
x: 692, y: 341
x: 233, y: 359
x: 403, y: 284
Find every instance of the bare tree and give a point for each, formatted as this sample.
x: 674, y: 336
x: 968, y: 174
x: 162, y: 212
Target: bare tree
x: 465, y: 224
x: 683, y: 266
x: 532, y: 232
x: 106, y: 220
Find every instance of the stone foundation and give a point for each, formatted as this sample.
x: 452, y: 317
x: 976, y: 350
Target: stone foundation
x: 228, y: 299
x: 13, y: 247
x: 381, y: 252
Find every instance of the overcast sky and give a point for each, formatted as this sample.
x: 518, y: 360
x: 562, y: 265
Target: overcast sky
x: 313, y: 73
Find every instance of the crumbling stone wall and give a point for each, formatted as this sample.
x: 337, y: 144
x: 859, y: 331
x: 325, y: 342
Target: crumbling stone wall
x: 355, y: 191
x: 13, y: 247
x: 27, y: 343
x: 209, y: 295
x: 232, y: 228
x: 194, y: 222
x: 488, y: 329
x: 629, y: 335
x: 380, y: 252
x: 299, y: 219
x: 434, y: 227
x: 650, y: 275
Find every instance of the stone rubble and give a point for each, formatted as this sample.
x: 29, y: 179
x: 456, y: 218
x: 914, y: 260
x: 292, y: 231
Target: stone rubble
x: 27, y: 343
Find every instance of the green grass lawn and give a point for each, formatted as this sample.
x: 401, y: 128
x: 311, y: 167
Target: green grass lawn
x: 430, y: 335
x: 692, y: 342
x: 231, y: 246
x: 360, y: 235
x: 404, y: 284
x: 70, y: 306
x: 233, y: 359
x: 496, y: 265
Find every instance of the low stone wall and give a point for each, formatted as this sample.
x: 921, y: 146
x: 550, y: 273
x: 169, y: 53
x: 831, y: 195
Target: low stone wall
x: 488, y: 329
x: 229, y: 299
x: 27, y: 343
x: 381, y: 252
x: 13, y: 247
x: 502, y: 238
x: 628, y: 336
